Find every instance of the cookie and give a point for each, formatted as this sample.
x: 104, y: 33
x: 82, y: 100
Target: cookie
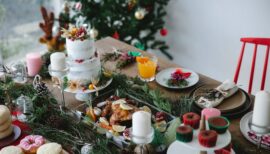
x: 6, y: 132
x: 4, y: 114
x: 11, y: 150
x: 5, y: 125
x: 50, y: 148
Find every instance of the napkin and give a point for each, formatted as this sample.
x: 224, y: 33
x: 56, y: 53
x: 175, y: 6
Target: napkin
x: 215, y: 96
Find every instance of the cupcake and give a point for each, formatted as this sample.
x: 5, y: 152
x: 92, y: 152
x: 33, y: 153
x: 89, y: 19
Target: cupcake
x: 207, y: 138
x: 192, y: 119
x: 219, y: 124
x: 184, y: 133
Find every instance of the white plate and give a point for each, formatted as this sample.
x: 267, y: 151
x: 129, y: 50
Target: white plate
x: 244, y: 127
x: 89, y: 91
x: 175, y: 148
x: 163, y: 76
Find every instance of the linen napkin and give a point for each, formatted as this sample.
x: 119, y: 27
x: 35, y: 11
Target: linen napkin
x: 215, y: 96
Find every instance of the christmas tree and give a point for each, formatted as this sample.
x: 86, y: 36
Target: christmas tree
x: 132, y: 21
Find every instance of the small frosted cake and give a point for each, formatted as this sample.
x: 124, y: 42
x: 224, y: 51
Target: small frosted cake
x: 184, y: 133
x: 219, y: 124
x: 192, y: 119
x: 208, y: 138
x: 6, y: 128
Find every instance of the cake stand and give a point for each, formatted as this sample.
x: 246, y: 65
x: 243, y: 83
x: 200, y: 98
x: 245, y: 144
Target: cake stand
x: 87, y: 95
x: 222, y: 141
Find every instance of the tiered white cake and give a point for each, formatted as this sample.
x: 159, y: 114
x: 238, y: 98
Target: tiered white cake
x: 83, y: 60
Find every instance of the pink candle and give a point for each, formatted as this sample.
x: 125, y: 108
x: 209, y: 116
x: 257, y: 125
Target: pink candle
x: 34, y: 63
x: 210, y: 112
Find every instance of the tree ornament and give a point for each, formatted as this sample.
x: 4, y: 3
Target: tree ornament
x: 97, y: 1
x: 140, y: 13
x: 78, y: 6
x: 87, y: 148
x: 163, y: 32
x: 93, y: 33
x: 131, y: 4
x: 116, y: 35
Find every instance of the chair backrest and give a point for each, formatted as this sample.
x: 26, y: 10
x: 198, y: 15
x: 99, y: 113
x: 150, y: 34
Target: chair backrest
x: 256, y: 42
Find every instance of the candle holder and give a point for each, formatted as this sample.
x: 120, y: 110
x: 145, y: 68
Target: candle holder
x: 259, y: 133
x: 141, y: 141
x: 18, y: 71
x: 59, y: 76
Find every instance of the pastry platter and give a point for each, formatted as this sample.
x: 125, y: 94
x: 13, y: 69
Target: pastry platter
x: 245, y: 128
x: 13, y: 137
x: 163, y: 76
x: 115, y: 120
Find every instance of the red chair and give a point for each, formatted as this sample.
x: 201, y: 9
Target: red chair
x: 256, y: 42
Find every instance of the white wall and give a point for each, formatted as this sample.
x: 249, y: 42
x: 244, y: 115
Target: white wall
x: 204, y: 35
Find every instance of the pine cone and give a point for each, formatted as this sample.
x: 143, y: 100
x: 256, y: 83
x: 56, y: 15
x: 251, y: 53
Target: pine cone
x: 42, y: 89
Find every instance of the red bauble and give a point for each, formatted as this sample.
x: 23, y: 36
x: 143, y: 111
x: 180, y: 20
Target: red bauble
x: 163, y: 32
x: 116, y: 35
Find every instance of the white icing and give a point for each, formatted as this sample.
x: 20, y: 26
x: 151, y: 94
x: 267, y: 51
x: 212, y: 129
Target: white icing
x: 78, y: 49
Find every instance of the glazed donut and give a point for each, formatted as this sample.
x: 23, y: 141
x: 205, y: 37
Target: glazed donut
x: 4, y: 114
x: 31, y: 143
x: 6, y: 124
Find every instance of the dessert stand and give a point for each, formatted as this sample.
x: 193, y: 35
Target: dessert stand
x: 222, y: 141
x: 87, y: 95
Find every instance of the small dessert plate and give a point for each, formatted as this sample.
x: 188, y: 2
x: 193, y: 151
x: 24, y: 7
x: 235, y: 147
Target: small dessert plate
x: 13, y: 137
x: 245, y: 128
x: 163, y: 76
x: 175, y: 147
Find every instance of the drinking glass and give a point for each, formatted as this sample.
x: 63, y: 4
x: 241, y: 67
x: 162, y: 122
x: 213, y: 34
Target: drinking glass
x: 147, y: 67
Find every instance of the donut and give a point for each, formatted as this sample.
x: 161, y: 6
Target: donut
x: 50, y: 148
x: 31, y: 143
x: 5, y: 133
x: 4, y: 114
x: 11, y: 150
x: 6, y: 124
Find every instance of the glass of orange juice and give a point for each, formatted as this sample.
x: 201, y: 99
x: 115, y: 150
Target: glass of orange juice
x: 147, y: 66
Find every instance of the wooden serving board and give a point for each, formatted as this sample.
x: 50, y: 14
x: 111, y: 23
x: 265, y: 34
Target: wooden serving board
x: 230, y: 104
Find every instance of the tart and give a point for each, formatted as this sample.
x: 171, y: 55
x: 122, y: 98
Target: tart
x: 219, y: 124
x: 184, y: 133
x: 208, y: 138
x: 192, y: 119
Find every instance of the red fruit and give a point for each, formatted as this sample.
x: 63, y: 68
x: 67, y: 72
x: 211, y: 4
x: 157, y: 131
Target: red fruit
x: 163, y: 32
x: 160, y: 116
x: 79, y: 60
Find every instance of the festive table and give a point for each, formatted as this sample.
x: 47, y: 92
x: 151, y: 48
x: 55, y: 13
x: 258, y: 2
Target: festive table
x: 240, y: 144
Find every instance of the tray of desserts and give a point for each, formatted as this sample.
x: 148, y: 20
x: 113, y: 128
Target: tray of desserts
x: 199, y: 134
x: 233, y: 106
x: 111, y: 113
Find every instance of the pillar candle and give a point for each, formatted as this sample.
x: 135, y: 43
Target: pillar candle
x: 261, y: 112
x: 141, y: 125
x: 210, y: 112
x: 58, y: 61
x: 34, y: 63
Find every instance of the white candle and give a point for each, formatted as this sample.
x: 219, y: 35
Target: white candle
x: 141, y: 125
x: 58, y: 61
x: 261, y: 111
